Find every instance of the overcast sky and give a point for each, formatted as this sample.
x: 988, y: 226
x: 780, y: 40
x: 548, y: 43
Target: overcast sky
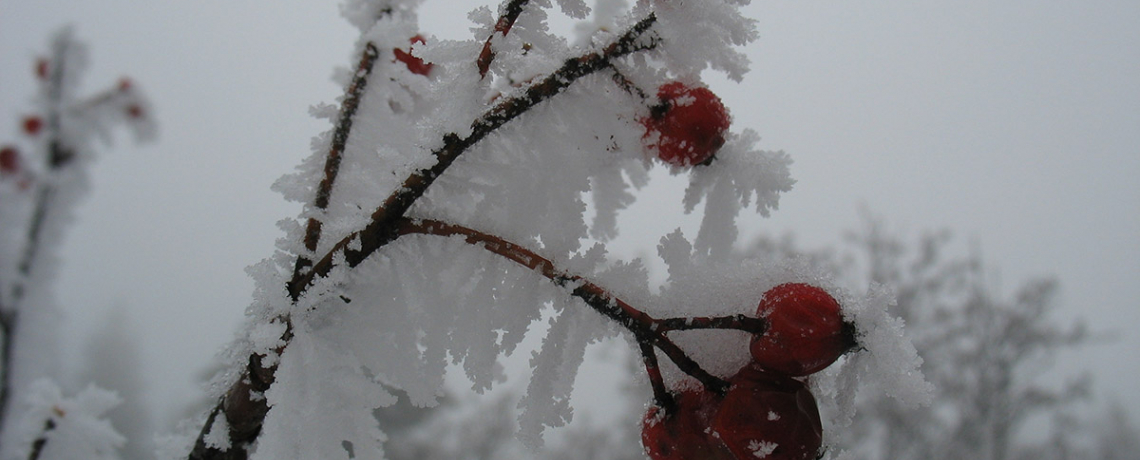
x: 1014, y: 123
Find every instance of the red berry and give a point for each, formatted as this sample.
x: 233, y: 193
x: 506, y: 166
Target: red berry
x: 9, y: 160
x: 125, y: 84
x: 769, y: 416
x: 684, y: 433
x: 42, y: 68
x: 134, y: 111
x: 33, y: 125
x: 414, y: 64
x: 806, y: 332
x: 689, y: 124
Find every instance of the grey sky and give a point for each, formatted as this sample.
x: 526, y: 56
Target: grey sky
x: 1014, y: 123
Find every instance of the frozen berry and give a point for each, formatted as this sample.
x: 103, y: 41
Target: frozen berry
x: 684, y: 433
x: 806, y: 332
x: 769, y: 416
x: 688, y: 126
x: 414, y: 64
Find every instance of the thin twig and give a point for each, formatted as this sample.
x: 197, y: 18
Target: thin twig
x: 41, y: 440
x: 511, y: 11
x: 629, y: 86
x: 647, y: 330
x: 352, y: 97
x: 739, y: 322
x: 661, y: 395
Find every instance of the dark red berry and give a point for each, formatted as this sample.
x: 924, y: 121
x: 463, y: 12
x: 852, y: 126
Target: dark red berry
x: 9, y: 160
x: 134, y: 111
x: 33, y: 125
x: 806, y: 332
x: 769, y: 416
x: 414, y: 64
x: 688, y: 126
x: 684, y: 433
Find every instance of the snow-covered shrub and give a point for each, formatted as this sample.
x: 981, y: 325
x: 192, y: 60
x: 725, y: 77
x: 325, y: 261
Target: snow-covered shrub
x: 42, y: 178
x: 444, y: 216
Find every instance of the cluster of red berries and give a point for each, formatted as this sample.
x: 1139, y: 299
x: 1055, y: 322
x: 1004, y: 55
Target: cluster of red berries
x: 687, y: 127
x: 767, y: 411
x: 11, y: 163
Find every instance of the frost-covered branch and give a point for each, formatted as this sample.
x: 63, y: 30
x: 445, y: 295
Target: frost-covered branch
x: 357, y: 246
x: 511, y: 11
x: 242, y: 408
x: 646, y: 329
x: 340, y: 137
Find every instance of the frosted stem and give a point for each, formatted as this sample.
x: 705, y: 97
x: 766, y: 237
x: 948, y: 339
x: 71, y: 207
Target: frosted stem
x: 511, y: 10
x: 629, y: 86
x: 649, y: 331
x: 41, y: 440
x: 739, y: 322
x: 661, y: 396
x: 348, y: 108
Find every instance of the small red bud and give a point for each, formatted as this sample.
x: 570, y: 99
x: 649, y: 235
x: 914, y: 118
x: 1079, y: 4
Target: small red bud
x: 125, y: 84
x: 134, y: 111
x: 33, y: 125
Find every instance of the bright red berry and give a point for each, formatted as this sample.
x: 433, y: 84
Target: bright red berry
x: 684, y: 433
x: 769, y: 416
x: 415, y: 64
x: 9, y: 160
x: 688, y: 127
x: 42, y: 68
x: 33, y: 125
x: 806, y: 332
